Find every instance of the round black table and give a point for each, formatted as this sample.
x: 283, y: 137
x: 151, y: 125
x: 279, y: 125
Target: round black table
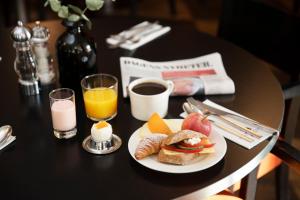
x: 39, y: 166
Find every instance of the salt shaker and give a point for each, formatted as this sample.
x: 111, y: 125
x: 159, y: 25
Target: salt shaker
x: 40, y: 37
x: 25, y: 65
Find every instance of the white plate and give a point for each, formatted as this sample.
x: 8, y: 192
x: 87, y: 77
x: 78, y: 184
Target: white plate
x: 207, y: 161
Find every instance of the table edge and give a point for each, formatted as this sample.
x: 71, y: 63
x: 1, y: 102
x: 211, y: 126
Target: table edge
x: 232, y: 178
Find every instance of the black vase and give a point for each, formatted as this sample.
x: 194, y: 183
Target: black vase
x: 76, y: 54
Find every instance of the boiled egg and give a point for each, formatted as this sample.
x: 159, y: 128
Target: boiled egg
x: 101, y: 131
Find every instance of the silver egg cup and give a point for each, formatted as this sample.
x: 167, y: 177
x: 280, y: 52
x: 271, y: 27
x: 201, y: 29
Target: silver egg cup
x: 104, y: 147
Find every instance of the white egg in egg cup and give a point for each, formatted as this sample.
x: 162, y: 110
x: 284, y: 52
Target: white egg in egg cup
x: 102, y: 140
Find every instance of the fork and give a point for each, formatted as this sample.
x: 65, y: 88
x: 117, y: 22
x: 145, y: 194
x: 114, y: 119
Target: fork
x: 200, y: 105
x: 6, y: 131
x: 188, y: 109
x: 207, y: 112
x: 137, y: 38
x: 131, y: 33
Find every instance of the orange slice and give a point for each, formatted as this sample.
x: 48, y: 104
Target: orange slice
x: 157, y: 125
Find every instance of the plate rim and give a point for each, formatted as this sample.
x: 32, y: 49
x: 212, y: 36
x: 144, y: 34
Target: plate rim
x: 135, y: 133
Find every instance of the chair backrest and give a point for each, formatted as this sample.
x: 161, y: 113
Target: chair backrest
x: 267, y: 32
x: 274, y: 36
x: 292, y: 96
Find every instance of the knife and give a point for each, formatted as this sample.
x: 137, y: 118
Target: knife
x: 228, y: 122
x: 5, y: 133
x: 202, y: 107
x: 232, y: 131
x: 188, y: 109
x: 132, y: 32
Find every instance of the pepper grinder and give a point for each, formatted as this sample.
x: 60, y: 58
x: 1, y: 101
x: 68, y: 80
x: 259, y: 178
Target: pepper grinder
x: 25, y: 65
x: 39, y: 39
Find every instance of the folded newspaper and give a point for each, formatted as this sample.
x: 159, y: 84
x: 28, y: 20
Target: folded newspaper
x: 204, y: 75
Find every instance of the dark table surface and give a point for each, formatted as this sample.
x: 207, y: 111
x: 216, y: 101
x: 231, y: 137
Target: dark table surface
x: 39, y: 166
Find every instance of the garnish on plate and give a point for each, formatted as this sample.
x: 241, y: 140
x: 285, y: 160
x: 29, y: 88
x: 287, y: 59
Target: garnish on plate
x: 155, y: 125
x: 197, y: 122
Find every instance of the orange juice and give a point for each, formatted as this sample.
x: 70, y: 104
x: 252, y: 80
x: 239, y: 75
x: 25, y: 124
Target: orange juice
x: 100, y: 103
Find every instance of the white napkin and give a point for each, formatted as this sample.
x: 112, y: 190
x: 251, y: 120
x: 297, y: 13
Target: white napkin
x: 9, y: 140
x: 235, y: 138
x: 149, y: 34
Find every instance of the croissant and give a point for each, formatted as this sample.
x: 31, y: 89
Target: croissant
x: 149, y: 145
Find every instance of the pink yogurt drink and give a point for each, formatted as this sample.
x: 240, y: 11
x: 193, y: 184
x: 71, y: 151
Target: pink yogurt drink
x: 63, y: 115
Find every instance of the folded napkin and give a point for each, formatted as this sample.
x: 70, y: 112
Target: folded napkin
x: 233, y: 137
x: 9, y: 140
x: 137, y: 36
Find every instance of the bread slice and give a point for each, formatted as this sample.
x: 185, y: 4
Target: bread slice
x: 179, y: 158
x: 182, y: 135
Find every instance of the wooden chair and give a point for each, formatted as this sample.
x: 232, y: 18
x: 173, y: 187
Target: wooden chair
x: 283, y: 155
x: 272, y: 35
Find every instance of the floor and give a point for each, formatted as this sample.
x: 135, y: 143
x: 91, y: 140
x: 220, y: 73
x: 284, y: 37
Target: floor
x: 204, y: 14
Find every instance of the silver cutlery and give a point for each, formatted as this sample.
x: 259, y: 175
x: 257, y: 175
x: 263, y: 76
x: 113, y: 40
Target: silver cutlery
x: 130, y: 34
x: 233, y: 131
x: 188, y: 109
x: 136, y: 38
x: 225, y: 114
x: 246, y: 130
x: 5, y: 133
x: 137, y: 27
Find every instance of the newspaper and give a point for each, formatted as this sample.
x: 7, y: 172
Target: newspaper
x: 204, y: 75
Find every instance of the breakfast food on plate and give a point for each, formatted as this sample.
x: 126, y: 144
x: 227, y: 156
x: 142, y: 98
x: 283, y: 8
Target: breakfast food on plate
x: 149, y: 145
x: 101, y: 131
x: 155, y: 125
x: 198, y: 123
x: 184, y: 147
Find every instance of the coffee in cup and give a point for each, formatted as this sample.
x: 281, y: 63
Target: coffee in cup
x: 149, y: 95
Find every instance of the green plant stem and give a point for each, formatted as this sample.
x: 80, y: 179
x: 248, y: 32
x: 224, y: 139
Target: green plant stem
x: 84, y: 10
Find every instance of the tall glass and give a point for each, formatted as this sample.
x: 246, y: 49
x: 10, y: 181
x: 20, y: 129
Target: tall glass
x: 100, y: 94
x: 63, y: 111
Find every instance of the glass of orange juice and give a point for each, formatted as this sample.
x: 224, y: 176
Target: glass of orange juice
x: 100, y: 95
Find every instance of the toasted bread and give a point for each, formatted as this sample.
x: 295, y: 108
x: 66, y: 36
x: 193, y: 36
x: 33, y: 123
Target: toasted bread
x: 182, y: 158
x: 182, y: 135
x: 179, y: 158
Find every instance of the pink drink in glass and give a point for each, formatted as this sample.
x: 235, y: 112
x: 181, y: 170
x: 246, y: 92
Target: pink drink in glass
x: 63, y: 111
x: 63, y: 115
